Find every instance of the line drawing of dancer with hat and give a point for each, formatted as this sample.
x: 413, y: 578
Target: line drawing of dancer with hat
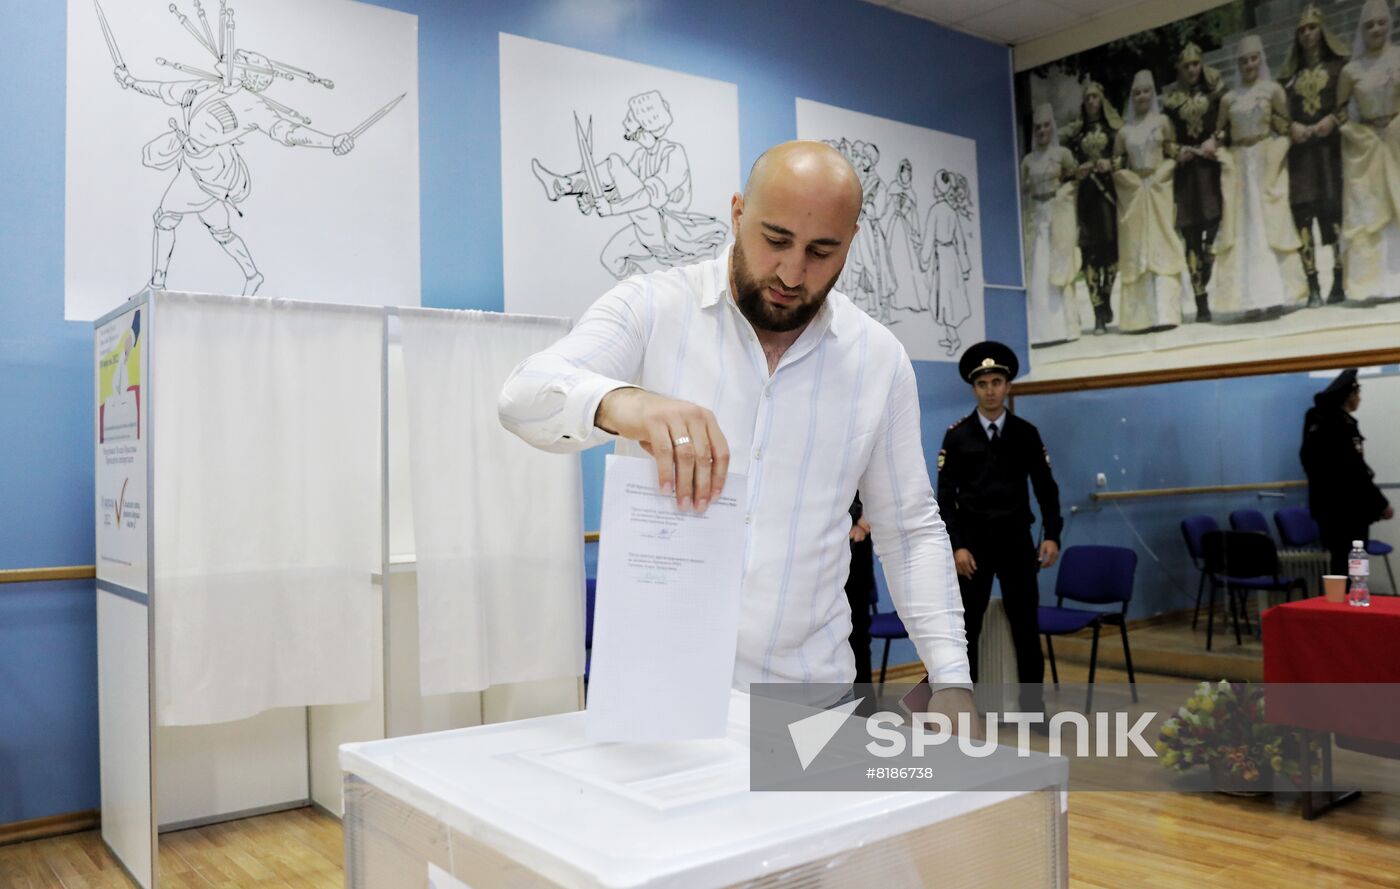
x: 651, y: 188
x: 944, y: 257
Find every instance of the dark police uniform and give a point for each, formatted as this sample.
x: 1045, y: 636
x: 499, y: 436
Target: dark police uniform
x: 986, y: 507
x: 860, y: 589
x: 1342, y: 496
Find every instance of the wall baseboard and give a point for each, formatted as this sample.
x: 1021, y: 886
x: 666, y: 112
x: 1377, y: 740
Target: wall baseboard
x: 49, y: 826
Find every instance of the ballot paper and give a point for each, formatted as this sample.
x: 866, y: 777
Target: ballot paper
x: 666, y: 621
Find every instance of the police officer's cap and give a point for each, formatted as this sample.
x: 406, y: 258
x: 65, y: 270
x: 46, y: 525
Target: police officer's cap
x: 1339, y: 389
x: 988, y: 357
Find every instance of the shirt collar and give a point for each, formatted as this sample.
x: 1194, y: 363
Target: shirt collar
x: 987, y: 424
x: 830, y: 318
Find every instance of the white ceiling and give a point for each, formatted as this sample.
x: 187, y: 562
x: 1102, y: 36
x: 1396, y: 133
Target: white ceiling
x: 1006, y: 21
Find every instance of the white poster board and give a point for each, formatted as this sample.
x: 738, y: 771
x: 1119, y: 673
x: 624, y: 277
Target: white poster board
x: 916, y: 263
x: 283, y: 183
x: 608, y: 169
x: 121, y: 433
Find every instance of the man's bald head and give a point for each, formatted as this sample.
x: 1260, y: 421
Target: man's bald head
x: 793, y: 227
x: 814, y: 169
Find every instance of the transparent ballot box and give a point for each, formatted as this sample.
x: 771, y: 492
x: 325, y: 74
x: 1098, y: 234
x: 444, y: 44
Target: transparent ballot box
x: 534, y: 803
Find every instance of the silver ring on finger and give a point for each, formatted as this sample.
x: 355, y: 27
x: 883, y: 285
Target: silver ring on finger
x: 681, y: 440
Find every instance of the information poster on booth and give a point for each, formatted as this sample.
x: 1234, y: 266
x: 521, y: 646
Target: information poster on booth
x: 121, y: 432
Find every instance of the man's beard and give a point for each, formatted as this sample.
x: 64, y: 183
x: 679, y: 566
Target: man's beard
x: 763, y: 314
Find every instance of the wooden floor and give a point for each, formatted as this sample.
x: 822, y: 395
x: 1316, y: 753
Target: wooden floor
x: 1117, y: 841
x: 301, y: 849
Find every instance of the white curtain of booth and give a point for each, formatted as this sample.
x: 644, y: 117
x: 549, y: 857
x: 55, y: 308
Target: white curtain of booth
x: 498, y: 525
x: 266, y: 503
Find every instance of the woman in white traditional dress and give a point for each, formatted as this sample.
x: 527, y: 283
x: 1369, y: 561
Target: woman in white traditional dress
x: 1051, y: 237
x: 1370, y: 83
x: 901, y: 221
x: 1257, y: 264
x: 1151, y: 257
x: 944, y: 258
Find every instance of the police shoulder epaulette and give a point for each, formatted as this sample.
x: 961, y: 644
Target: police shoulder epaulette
x: 956, y: 423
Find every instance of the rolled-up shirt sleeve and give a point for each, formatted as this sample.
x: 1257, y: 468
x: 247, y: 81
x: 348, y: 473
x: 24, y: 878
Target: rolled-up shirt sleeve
x: 551, y: 398
x: 910, y: 537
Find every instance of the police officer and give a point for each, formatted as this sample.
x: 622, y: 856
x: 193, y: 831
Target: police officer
x: 986, y: 459
x: 1342, y: 496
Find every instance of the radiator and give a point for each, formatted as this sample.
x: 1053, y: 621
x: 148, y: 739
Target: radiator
x: 1309, y: 564
x: 996, y: 659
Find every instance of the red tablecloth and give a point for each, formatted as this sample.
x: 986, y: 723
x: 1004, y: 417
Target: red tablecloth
x: 1319, y: 641
x: 1357, y: 649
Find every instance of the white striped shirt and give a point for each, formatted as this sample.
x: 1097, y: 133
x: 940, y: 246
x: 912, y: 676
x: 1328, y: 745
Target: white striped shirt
x: 840, y: 413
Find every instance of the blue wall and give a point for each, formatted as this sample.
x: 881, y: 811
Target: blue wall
x: 840, y: 52
x: 1214, y: 432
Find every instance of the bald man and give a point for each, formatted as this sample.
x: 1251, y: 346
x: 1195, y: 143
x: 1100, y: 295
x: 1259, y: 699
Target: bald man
x: 752, y: 363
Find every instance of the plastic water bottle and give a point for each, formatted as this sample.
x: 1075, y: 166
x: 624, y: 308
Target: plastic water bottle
x: 1358, y: 574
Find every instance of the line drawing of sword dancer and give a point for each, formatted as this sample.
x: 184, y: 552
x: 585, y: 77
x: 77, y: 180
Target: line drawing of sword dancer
x: 216, y: 109
x: 651, y: 188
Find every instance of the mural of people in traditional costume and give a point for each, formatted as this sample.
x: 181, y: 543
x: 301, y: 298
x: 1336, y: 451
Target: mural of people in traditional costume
x: 1256, y: 194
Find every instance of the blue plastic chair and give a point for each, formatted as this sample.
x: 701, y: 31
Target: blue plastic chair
x: 1296, y: 527
x: 884, y: 625
x: 1193, y: 528
x: 1096, y: 575
x: 1383, y: 549
x: 1249, y: 520
x: 1242, y: 562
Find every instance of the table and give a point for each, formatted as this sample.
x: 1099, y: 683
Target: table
x: 1355, y: 652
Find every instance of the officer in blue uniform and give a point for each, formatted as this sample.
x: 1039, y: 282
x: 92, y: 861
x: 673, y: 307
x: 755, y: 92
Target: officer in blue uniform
x: 986, y: 460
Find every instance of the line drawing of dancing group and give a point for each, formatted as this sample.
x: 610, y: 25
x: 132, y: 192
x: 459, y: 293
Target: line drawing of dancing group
x: 902, y: 261
x: 1227, y: 191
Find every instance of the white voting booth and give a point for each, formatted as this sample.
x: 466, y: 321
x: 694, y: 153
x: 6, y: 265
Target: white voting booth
x: 256, y: 462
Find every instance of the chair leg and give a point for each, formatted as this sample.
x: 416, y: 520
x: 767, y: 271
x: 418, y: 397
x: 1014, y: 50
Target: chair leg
x: 1235, y: 615
x: 1054, y: 671
x: 1128, y: 659
x: 1200, y: 588
x: 1393, y: 590
x: 1244, y: 614
x: 1093, y: 664
x: 884, y: 662
x: 1210, y: 616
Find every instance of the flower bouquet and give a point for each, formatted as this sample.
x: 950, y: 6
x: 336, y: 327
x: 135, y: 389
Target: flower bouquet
x: 1222, y: 727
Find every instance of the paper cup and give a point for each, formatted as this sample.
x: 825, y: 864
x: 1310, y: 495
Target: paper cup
x: 1334, y: 586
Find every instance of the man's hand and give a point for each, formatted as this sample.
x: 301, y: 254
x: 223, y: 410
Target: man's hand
x: 1185, y: 154
x: 1325, y: 126
x: 1300, y: 132
x: 692, y: 455
x: 123, y: 77
x: 1388, y: 513
x: 965, y: 563
x: 860, y: 530
x: 1208, y: 149
x: 953, y: 701
x: 343, y: 144
x: 1049, y: 552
